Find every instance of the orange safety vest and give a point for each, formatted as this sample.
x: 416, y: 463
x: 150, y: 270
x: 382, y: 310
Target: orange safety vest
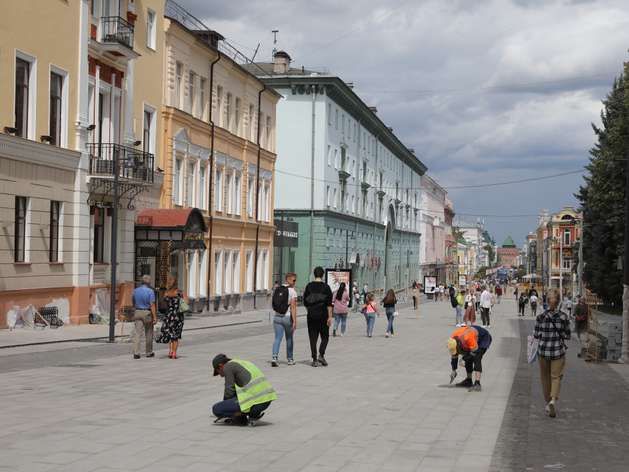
x: 467, y: 338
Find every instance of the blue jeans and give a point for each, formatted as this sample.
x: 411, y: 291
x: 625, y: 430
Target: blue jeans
x: 371, y: 319
x: 227, y: 408
x: 459, y: 314
x: 390, y: 317
x: 498, y: 298
x: 340, y: 318
x: 283, y: 324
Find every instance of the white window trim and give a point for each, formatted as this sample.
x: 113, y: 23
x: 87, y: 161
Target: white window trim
x: 236, y: 270
x: 202, y: 188
x: 192, y: 274
x: 238, y: 194
x: 153, y: 129
x: 218, y: 272
x: 218, y: 197
x: 191, y: 183
x: 202, y: 291
x: 32, y: 92
x: 227, y: 262
x: 178, y: 179
x: 229, y: 192
x: 249, y: 270
x: 151, y: 29
x: 64, y: 103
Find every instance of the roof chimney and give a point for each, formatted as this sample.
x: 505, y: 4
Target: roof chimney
x: 374, y: 110
x: 412, y: 151
x: 350, y: 85
x: 282, y: 63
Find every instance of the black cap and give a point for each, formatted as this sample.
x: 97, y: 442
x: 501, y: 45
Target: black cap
x: 219, y: 359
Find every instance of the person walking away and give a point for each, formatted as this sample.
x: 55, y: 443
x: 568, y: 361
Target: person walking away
x: 143, y: 300
x: 247, y: 391
x: 493, y: 300
x: 533, y: 301
x: 485, y: 305
x: 459, y: 307
x: 580, y: 318
x: 470, y: 315
x: 284, y: 303
x: 471, y: 343
x: 477, y: 295
x: 522, y: 304
x: 414, y: 293
x: 569, y: 307
x: 552, y: 328
x: 516, y: 293
x: 340, y: 300
x: 172, y: 326
x: 370, y: 309
x: 356, y: 299
x: 318, y: 302
x: 498, y: 293
x: 388, y: 302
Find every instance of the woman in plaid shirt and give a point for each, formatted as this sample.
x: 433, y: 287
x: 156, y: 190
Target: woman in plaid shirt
x: 552, y: 328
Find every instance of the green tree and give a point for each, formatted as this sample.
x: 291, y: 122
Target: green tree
x: 518, y: 274
x: 602, y: 196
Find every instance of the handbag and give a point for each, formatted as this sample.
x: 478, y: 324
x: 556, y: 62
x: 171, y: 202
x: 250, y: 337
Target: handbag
x: 183, y: 306
x: 531, y: 348
x: 395, y: 313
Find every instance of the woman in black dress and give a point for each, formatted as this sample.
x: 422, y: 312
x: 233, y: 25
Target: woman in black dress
x: 173, y: 321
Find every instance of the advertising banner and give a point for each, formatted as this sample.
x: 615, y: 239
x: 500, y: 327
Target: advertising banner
x: 335, y: 277
x: 462, y: 280
x: 430, y: 284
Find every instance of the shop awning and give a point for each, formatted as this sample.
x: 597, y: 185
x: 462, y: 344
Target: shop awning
x: 185, y: 228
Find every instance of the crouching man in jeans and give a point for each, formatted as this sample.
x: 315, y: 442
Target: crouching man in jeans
x: 247, y: 390
x: 470, y: 342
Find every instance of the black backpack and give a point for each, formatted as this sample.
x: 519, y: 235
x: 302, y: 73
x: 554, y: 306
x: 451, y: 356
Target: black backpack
x: 453, y: 301
x: 279, y: 302
x: 317, y: 308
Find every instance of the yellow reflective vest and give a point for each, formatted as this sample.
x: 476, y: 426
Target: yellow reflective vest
x: 257, y: 391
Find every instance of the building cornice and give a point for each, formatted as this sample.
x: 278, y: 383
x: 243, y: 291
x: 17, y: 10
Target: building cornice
x: 32, y: 152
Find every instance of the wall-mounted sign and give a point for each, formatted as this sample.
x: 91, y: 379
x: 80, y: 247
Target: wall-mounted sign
x: 286, y: 234
x: 335, y: 277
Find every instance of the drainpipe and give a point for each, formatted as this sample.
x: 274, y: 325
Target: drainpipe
x: 210, y: 183
x: 258, y: 192
x: 373, y: 270
x: 357, y: 191
x: 312, y: 171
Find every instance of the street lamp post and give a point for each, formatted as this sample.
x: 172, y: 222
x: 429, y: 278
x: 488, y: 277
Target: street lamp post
x: 624, y: 357
x: 128, y: 164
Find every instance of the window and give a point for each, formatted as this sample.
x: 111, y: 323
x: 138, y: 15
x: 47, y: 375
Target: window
x: 191, y: 93
x: 249, y: 270
x: 202, y: 98
x: 237, y: 116
x: 259, y: 270
x: 150, y: 29
x: 327, y: 196
x: 334, y: 198
x: 265, y: 269
x: 329, y: 154
x: 219, y: 105
x: 268, y: 133
x: 192, y: 274
x: 218, y: 271
x: 22, y: 97
x: 20, y: 229
x: 236, y: 271
x: 237, y: 195
x: 566, y: 236
x: 336, y: 165
x: 201, y: 200
x: 55, y: 215
x: 336, y: 119
x: 56, y: 85
x: 251, y: 123
x: 178, y: 183
x: 202, y: 290
x: 228, y: 271
x: 178, y: 73
x: 148, y: 129
x: 218, y: 196
x: 249, y: 198
x: 330, y: 114
x: 228, y: 116
x: 99, y: 234
x: 566, y: 263
x: 343, y: 124
x: 228, y: 193
x: 191, y: 181
x: 265, y: 204
x: 259, y: 136
x: 354, y: 132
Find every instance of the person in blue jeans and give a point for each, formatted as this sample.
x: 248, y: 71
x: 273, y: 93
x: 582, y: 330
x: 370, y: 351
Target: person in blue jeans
x: 340, y: 300
x: 371, y: 310
x: 388, y: 302
x: 286, y: 322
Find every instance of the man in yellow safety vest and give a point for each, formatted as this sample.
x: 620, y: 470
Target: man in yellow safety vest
x: 247, y: 390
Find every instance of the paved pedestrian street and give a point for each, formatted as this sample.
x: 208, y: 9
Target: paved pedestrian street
x: 381, y: 404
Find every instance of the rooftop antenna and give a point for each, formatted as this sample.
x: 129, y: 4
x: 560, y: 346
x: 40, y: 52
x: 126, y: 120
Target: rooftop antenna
x: 274, y: 43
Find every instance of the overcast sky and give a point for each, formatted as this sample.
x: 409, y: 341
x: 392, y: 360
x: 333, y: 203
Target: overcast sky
x: 484, y: 91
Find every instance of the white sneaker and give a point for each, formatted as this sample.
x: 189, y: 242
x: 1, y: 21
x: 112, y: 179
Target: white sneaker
x: 274, y: 362
x: 290, y: 362
x: 458, y: 324
x: 551, y: 409
x: 546, y: 408
x: 482, y: 326
x: 488, y: 326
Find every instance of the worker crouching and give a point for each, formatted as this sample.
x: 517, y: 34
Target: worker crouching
x: 471, y: 342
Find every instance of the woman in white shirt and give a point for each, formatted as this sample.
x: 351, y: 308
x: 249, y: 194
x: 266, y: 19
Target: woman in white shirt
x: 533, y: 301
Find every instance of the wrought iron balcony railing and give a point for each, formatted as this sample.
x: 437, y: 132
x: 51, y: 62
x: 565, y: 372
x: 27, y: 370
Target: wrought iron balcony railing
x: 116, y: 30
x: 103, y: 158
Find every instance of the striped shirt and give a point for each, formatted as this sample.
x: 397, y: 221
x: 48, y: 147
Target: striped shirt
x: 551, y: 337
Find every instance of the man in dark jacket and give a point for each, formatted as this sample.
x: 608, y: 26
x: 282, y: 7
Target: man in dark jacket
x: 471, y: 342
x: 318, y: 302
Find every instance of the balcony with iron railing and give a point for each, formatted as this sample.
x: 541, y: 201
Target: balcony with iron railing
x: 116, y: 30
x: 103, y: 159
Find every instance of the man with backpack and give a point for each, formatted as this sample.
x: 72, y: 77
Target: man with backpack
x: 284, y: 303
x: 318, y: 302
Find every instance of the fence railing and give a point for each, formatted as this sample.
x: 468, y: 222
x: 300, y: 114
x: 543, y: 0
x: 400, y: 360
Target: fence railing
x: 116, y: 30
x: 104, y: 157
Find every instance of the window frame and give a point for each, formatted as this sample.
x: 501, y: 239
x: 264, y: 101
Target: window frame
x: 21, y: 229
x: 201, y: 189
x: 192, y: 171
x: 99, y: 235
x: 229, y: 178
x: 237, y: 194
x: 56, y: 208
x: 191, y: 92
x: 178, y: 84
x: 178, y: 181
x: 31, y: 93
x: 152, y: 112
x: 151, y: 30
x: 202, y: 99
x: 218, y: 195
x: 228, y: 111
x: 237, y: 104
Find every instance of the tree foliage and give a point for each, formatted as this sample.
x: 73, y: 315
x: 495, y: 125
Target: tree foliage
x: 518, y: 274
x: 490, y: 251
x: 602, y: 196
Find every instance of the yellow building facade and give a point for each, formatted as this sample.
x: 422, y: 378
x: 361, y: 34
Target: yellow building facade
x: 78, y: 105
x: 219, y: 158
